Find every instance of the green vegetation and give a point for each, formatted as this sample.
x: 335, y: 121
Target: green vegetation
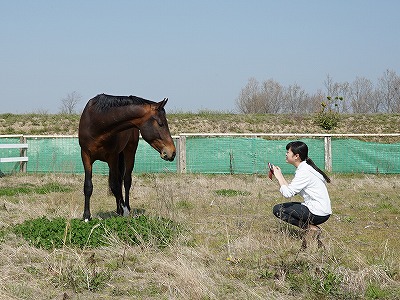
x: 328, y: 117
x: 231, y: 193
x: 59, y: 232
x: 29, y: 188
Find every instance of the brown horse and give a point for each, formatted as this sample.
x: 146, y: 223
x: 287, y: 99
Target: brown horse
x: 109, y: 131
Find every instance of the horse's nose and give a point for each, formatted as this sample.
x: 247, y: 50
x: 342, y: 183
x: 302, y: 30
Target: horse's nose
x: 168, y: 156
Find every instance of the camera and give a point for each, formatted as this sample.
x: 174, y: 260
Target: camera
x: 271, y: 167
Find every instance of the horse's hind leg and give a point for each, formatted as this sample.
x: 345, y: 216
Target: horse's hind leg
x: 115, y: 183
x: 87, y: 186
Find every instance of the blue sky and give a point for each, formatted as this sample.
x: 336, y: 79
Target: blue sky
x: 200, y: 54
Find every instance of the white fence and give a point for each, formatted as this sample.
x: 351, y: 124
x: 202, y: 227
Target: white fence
x: 22, y: 159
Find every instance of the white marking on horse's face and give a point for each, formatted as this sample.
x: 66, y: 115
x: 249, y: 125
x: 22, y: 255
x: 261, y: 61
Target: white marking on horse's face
x: 86, y: 220
x: 126, y: 211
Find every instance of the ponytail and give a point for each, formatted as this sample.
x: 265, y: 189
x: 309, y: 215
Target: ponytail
x: 310, y: 162
x: 301, y: 149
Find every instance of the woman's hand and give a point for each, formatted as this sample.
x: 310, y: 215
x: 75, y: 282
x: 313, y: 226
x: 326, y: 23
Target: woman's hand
x: 279, y: 176
x: 277, y: 170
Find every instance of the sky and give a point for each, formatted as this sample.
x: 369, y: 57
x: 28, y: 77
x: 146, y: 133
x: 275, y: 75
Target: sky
x: 199, y: 54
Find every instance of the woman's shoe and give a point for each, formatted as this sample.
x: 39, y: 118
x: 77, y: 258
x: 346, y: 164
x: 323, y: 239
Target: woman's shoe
x: 313, y: 231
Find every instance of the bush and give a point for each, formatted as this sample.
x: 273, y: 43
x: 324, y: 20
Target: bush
x: 328, y: 117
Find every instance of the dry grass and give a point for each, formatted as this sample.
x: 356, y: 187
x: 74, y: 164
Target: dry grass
x: 42, y: 124
x: 233, y: 249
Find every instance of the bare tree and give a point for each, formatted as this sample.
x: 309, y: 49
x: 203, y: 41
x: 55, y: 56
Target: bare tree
x: 295, y: 99
x: 273, y: 96
x: 69, y: 102
x: 397, y: 95
x: 388, y: 86
x: 313, y: 104
x: 361, y: 96
x: 269, y: 98
x: 249, y: 100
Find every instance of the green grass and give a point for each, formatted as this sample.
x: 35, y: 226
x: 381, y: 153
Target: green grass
x: 232, y: 193
x: 58, y: 232
x: 28, y: 188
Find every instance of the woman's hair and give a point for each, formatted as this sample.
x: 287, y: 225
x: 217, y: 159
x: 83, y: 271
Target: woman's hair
x: 301, y: 149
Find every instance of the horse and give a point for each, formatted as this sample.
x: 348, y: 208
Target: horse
x: 109, y: 131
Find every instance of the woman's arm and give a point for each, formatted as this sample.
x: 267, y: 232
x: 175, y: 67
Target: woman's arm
x: 289, y: 190
x: 279, y: 176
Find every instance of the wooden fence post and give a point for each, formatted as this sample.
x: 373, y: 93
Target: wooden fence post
x: 328, y: 153
x: 23, y: 153
x: 182, y: 154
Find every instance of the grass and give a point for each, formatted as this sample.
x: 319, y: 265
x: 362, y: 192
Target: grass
x: 42, y: 124
x: 28, y: 188
x: 58, y: 232
x: 232, y: 248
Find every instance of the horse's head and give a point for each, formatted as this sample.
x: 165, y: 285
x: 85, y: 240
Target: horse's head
x: 155, y: 131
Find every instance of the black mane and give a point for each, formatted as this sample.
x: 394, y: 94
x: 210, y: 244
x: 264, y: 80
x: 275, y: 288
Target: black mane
x: 104, y: 102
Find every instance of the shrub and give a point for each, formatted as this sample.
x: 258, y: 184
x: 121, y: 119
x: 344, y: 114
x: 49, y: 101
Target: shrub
x: 328, y: 117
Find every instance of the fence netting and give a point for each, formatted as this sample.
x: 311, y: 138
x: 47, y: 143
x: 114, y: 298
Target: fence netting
x: 213, y: 155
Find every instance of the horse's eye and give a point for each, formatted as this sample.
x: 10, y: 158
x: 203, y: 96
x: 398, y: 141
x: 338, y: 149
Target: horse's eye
x: 159, y: 122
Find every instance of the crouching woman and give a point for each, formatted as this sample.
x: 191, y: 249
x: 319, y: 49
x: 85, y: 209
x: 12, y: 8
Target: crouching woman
x: 310, y: 183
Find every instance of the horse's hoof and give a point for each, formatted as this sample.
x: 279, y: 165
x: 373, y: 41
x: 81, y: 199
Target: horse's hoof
x: 126, y: 211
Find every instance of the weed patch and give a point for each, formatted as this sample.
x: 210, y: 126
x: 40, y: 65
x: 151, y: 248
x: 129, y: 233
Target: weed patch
x: 231, y: 193
x: 55, y: 233
x: 32, y: 189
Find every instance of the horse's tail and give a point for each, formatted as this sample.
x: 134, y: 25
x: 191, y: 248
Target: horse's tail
x: 121, y: 171
x: 121, y: 166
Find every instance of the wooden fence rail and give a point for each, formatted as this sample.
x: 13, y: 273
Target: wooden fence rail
x: 22, y: 158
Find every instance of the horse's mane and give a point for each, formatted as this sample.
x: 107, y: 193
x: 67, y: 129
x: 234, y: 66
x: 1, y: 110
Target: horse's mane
x: 104, y: 102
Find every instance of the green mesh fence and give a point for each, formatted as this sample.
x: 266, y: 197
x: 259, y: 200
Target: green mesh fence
x: 354, y: 156
x: 225, y: 155
x: 62, y: 155
x: 243, y: 155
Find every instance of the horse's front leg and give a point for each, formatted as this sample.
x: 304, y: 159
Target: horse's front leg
x: 127, y: 186
x: 129, y: 163
x: 129, y: 156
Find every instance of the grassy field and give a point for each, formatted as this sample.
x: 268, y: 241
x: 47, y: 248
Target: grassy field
x: 232, y: 246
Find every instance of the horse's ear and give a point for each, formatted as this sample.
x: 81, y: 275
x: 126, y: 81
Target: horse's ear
x: 162, y: 103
